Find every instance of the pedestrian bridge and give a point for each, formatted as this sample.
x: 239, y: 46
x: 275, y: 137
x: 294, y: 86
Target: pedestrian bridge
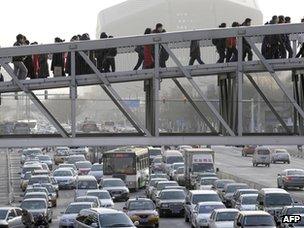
x: 226, y: 127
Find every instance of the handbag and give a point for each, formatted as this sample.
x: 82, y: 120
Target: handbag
x: 57, y: 71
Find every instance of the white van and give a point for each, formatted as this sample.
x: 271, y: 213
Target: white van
x: 85, y: 183
x: 169, y: 158
x: 261, y: 156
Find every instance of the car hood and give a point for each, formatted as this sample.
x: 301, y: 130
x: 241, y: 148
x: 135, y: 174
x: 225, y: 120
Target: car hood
x: 141, y: 212
x: 248, y: 207
x: 3, y: 222
x: 68, y: 216
x: 106, y: 202
x: 203, y: 216
x: 115, y: 188
x: 225, y: 224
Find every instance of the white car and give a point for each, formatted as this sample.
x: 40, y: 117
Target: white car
x: 222, y: 218
x: 206, y: 183
x: 280, y: 155
x: 96, y: 171
x: 68, y: 217
x: 247, y: 202
x: 103, y: 196
x: 65, y: 178
x: 202, y: 211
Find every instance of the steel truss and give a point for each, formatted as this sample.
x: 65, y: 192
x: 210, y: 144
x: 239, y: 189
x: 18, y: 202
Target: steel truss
x: 230, y: 75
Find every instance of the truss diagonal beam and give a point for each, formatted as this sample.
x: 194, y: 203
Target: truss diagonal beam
x: 189, y: 98
x: 268, y: 103
x: 115, y: 96
x: 35, y: 100
x: 198, y: 90
x: 275, y: 77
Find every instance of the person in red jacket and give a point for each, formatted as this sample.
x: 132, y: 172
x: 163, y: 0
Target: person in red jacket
x: 148, y: 53
x: 232, y: 52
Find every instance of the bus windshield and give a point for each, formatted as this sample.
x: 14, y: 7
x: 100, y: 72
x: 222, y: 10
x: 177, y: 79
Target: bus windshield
x: 119, y: 164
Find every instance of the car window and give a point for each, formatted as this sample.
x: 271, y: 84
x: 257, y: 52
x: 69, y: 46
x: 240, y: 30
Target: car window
x: 18, y: 212
x: 11, y: 214
x: 205, y: 209
x: 226, y: 216
x: 258, y: 221
x: 115, y: 220
x: 179, y: 195
x: 75, y: 209
x: 87, y: 184
x: 295, y: 172
x: 197, y: 198
x: 141, y: 205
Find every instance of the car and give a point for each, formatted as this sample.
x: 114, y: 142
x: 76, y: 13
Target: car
x: 247, y: 202
x: 254, y: 219
x: 46, y: 159
x: 179, y: 176
x: 38, y: 195
x: 206, y: 183
x: 248, y: 150
x: 280, y: 155
x: 171, y: 202
x: 61, y: 154
x: 143, y: 211
x: 66, y: 165
x: 222, y: 218
x: 292, y: 210
x: 83, y: 184
x: 36, y: 207
x: 202, y: 212
x: 30, y: 168
x: 229, y: 191
x: 103, y: 217
x: 196, y: 196
x: 104, y: 197
x: 72, y: 159
x: 91, y: 199
x: 65, y: 178
x: 116, y: 187
x: 36, y: 188
x: 152, y: 184
x: 158, y: 175
x: 160, y: 186
x: 69, y: 216
x: 25, y: 180
x: 294, y: 225
x: 291, y: 178
x: 174, y: 167
x: 96, y: 171
x: 39, y: 179
x: 156, y: 165
x: 261, y: 156
x: 154, y: 152
x: 40, y: 172
x: 30, y: 152
x: 83, y: 167
x: 52, y: 193
x: 10, y: 217
x: 169, y: 158
x: 238, y: 193
x: 219, y: 185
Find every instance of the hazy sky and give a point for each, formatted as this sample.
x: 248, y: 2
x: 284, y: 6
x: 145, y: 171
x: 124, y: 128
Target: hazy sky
x: 42, y: 20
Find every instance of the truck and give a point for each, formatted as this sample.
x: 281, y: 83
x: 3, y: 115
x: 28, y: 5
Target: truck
x: 198, y: 162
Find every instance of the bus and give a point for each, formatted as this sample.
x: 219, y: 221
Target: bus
x: 131, y: 164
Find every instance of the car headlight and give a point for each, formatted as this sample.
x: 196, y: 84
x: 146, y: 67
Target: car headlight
x: 164, y: 205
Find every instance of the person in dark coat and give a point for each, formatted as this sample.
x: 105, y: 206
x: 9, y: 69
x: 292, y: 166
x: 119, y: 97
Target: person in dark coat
x: 247, y: 52
x: 163, y: 55
x: 20, y: 69
x: 44, y: 66
x: 140, y: 52
x: 28, y: 62
x: 58, y: 61
x: 158, y: 28
x: 232, y: 52
x: 195, y: 52
x: 283, y: 39
x: 287, y: 40
x: 220, y: 45
x: 68, y: 70
x: 84, y: 67
x: 109, y: 63
x: 101, y: 54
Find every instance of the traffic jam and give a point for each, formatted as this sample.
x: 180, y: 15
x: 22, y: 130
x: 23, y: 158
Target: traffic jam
x: 152, y: 183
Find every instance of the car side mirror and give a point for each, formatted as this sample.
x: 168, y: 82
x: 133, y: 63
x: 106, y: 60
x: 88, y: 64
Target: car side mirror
x: 9, y: 218
x: 136, y: 223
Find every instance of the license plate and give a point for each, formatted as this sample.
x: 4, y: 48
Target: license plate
x: 144, y: 220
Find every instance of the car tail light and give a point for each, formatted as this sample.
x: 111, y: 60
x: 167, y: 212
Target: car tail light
x: 288, y: 178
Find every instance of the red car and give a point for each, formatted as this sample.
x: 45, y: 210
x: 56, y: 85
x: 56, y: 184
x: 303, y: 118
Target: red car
x: 83, y: 167
x: 248, y: 150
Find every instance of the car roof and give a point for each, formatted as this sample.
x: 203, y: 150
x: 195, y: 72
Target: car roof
x: 203, y: 192
x: 274, y: 190
x: 9, y: 208
x: 172, y: 190
x: 80, y: 203
x: 166, y: 182
x: 97, y: 190
x: 248, y: 195
x: 87, y: 197
x: 209, y: 203
x: 35, y: 199
x: 103, y: 210
x: 286, y: 170
x: 294, y: 206
x: 86, y: 177
x: 236, y: 184
x: 63, y: 169
x: 112, y: 179
x: 226, y: 210
x: 247, y: 190
x: 245, y: 213
x: 35, y: 193
x: 140, y: 199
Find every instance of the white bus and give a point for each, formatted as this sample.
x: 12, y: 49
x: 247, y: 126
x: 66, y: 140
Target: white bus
x: 131, y: 164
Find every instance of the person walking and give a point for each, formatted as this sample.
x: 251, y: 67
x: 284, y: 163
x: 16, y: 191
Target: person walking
x: 148, y: 53
x: 287, y: 40
x: 300, y: 54
x: 109, y: 62
x: 68, y: 61
x: 247, y: 51
x: 282, y: 40
x: 232, y: 52
x: 195, y: 52
x: 20, y: 69
x: 57, y: 65
x: 101, y: 54
x: 220, y: 45
x: 27, y: 219
x: 163, y: 55
x: 140, y: 51
x: 28, y: 62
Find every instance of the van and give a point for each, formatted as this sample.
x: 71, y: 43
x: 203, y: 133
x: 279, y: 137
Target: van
x: 272, y: 200
x: 85, y: 183
x: 261, y: 156
x: 169, y: 158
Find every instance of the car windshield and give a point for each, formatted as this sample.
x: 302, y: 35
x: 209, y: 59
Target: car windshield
x: 233, y: 188
x: 113, y: 183
x: 30, y: 196
x: 115, y: 220
x: 39, y: 180
x: 155, y: 152
x: 278, y: 199
x: 27, y: 176
x: 207, y: 209
x: 226, y: 216
x: 96, y: 168
x: 221, y: 184
x: 100, y: 195
x: 203, y: 167
x: 44, y: 158
x: 167, y: 195
x: 37, y: 190
x: 62, y: 152
x: 86, y: 199
x: 161, y: 186
x: 295, y: 211
x: 281, y: 152
x: 174, y: 159
x: 295, y: 172
x: 75, y: 209
x: 263, y: 152
x: 207, y: 181
x: 176, y: 166
x: 33, y: 205
x: 261, y: 220
x: 31, y: 169
x: 83, y: 165
x: 50, y: 188
x: 249, y: 200
x: 3, y: 214
x: 157, y: 160
x: 87, y: 184
x: 141, y: 206
x: 197, y: 198
x: 62, y: 173
x: 154, y: 182
x: 75, y: 159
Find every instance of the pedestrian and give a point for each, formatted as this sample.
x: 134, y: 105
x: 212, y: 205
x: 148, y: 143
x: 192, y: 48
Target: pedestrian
x: 27, y: 219
x: 282, y: 40
x: 57, y: 65
x: 195, y: 52
x: 109, y: 62
x: 36, y: 63
x: 101, y: 54
x: 140, y: 51
x: 84, y: 66
x: 68, y: 61
x: 20, y: 69
x: 220, y: 45
x: 44, y: 66
x: 148, y: 53
x: 287, y: 40
x: 232, y: 52
x: 163, y: 55
x: 158, y: 28
x: 28, y: 62
x: 300, y: 54
x: 247, y: 51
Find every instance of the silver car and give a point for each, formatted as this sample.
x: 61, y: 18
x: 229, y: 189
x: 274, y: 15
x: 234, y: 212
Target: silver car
x: 65, y: 178
x: 247, y: 202
x: 291, y: 178
x: 222, y: 218
x: 104, y: 197
x: 280, y: 155
x: 96, y: 171
x: 10, y: 217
